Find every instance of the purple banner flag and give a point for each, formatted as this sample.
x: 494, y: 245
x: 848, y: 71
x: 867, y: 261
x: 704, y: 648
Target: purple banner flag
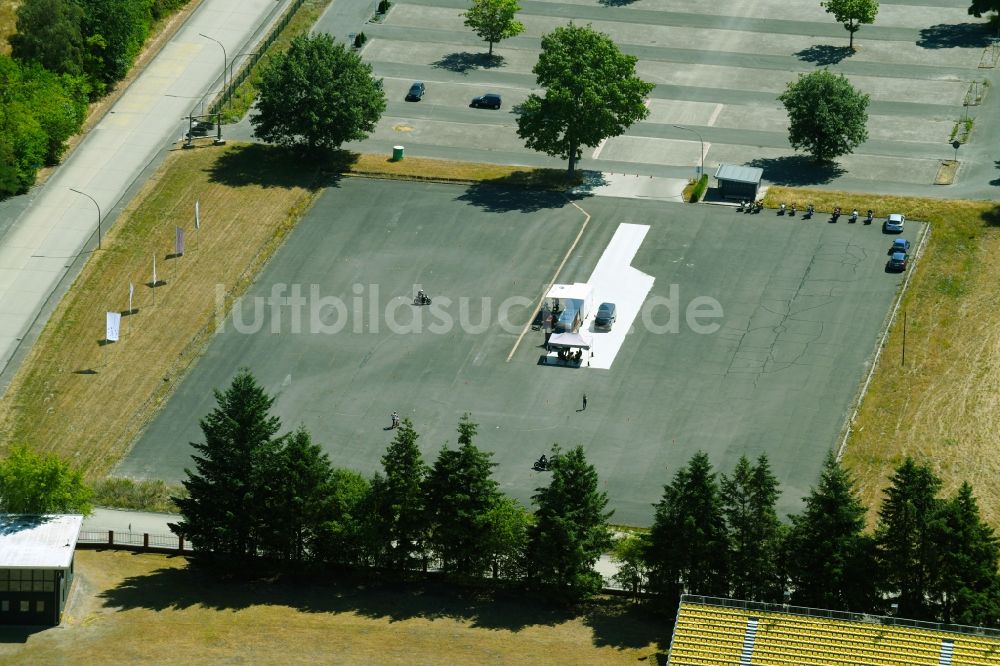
x: 179, y: 242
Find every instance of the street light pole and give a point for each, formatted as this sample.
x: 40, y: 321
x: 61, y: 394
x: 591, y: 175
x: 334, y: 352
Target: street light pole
x: 98, y: 214
x: 225, y: 58
x: 702, y: 142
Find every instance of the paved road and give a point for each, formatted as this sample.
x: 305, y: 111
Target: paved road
x: 45, y: 231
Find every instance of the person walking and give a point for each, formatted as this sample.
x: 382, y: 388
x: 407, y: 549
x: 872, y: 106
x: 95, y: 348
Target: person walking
x: 584, y: 403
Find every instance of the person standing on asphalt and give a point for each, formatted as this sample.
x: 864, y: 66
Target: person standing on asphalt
x: 584, y: 403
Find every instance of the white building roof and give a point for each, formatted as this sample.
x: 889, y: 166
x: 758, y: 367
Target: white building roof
x: 578, y: 291
x: 38, y: 542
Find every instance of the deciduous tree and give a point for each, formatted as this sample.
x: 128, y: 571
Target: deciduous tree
x: 493, y: 20
x: 827, y: 116
x: 343, y: 534
x: 49, y: 33
x: 37, y: 483
x: 570, y: 531
x: 591, y: 93
x: 123, y: 26
x: 852, y: 13
x: 980, y: 7
x: 830, y: 560
x: 318, y: 95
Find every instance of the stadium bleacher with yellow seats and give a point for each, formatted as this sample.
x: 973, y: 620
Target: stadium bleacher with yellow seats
x: 708, y: 634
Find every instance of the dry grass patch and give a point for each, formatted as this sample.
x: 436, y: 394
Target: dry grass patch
x: 8, y: 23
x: 87, y: 401
x: 943, y: 406
x: 151, y: 609
x: 422, y: 168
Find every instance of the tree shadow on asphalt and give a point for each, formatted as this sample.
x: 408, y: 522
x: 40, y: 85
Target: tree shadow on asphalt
x: 996, y: 181
x: 464, y: 61
x: 615, y: 3
x: 955, y: 35
x: 277, y: 166
x: 824, y: 54
x: 497, y: 197
x: 613, y: 621
x: 797, y: 170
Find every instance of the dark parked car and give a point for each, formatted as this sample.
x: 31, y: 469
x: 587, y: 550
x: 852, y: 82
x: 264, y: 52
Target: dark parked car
x: 416, y: 92
x: 900, y: 245
x: 605, y: 316
x: 897, y: 262
x: 487, y: 101
x: 200, y: 128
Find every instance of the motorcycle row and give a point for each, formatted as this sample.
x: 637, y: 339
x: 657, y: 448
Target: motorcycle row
x: 757, y: 206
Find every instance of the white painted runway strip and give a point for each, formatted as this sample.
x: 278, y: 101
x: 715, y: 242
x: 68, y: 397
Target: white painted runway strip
x: 615, y: 281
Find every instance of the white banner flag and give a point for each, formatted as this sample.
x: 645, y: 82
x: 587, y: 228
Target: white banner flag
x: 131, y: 291
x: 179, y: 242
x: 113, y: 324
x: 197, y: 214
x: 154, y: 270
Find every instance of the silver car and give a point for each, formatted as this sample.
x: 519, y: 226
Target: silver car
x: 894, y: 223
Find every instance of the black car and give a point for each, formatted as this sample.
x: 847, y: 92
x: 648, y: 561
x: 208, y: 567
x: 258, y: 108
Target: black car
x: 487, y: 101
x: 200, y: 128
x: 605, y: 316
x: 416, y: 92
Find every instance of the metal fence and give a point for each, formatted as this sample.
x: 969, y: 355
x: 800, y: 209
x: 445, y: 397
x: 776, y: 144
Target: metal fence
x: 159, y: 543
x: 247, y: 67
x: 840, y: 615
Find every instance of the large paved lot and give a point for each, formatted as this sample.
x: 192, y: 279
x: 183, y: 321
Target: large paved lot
x: 802, y: 301
x: 718, y: 68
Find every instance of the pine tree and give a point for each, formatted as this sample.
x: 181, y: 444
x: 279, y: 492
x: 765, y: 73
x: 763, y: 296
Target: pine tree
x: 748, y: 500
x: 688, y: 541
x: 226, y: 509
x: 301, y: 498
x: 570, y: 532
x: 459, y: 495
x: 829, y: 558
x: 398, y: 501
x: 966, y: 586
x: 905, y: 548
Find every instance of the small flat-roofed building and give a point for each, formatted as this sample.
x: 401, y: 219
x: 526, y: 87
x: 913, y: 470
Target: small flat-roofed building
x: 738, y: 182
x: 36, y: 567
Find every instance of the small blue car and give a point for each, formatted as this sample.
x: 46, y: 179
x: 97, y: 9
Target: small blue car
x: 900, y: 245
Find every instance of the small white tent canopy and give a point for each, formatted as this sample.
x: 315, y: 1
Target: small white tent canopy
x: 570, y: 341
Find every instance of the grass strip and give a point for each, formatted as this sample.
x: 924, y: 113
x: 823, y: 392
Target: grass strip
x: 941, y: 406
x: 245, y: 94
x: 86, y: 400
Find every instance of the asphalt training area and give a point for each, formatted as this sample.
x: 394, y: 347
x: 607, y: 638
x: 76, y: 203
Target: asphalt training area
x: 329, y: 328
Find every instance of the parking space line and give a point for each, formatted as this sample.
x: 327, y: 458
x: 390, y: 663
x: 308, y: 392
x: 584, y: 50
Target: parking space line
x: 555, y: 277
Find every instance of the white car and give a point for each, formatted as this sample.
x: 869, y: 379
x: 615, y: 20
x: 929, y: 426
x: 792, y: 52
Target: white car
x: 894, y: 223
